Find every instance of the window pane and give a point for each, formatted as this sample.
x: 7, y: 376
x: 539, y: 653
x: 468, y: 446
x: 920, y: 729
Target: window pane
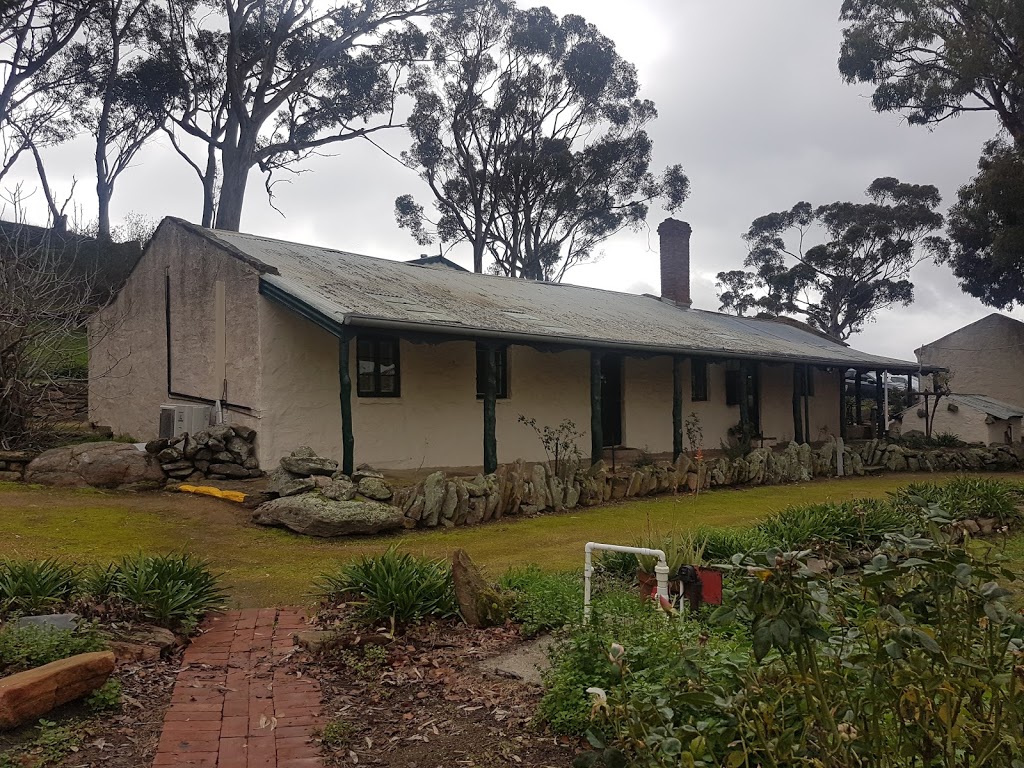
x: 388, y: 384
x: 698, y: 380
x: 366, y: 386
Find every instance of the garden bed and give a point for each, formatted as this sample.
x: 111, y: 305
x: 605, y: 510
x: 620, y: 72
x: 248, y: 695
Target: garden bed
x: 425, y: 699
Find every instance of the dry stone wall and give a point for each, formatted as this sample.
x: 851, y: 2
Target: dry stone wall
x: 519, y: 489
x: 223, y: 452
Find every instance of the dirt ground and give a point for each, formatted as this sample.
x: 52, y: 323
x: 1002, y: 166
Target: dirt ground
x: 425, y: 700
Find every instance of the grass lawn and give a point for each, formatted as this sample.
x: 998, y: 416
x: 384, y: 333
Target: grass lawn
x: 264, y: 566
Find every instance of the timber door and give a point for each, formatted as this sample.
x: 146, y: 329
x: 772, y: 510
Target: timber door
x: 611, y: 400
x: 753, y: 374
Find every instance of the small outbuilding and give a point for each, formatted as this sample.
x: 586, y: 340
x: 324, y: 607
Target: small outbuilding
x: 972, y: 418
x: 414, y: 364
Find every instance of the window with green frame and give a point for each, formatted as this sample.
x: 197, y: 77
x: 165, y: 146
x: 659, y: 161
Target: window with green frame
x: 377, y: 367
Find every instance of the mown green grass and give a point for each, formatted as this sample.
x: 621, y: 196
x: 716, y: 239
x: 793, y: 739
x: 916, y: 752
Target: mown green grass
x: 264, y: 566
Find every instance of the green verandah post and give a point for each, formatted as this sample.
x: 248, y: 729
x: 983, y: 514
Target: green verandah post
x: 798, y: 425
x: 345, y: 381
x: 808, y: 373
x: 842, y: 402
x: 596, y: 430
x: 490, y: 399
x: 677, y: 406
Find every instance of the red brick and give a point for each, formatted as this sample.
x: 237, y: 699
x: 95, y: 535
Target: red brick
x: 179, y: 759
x: 232, y: 727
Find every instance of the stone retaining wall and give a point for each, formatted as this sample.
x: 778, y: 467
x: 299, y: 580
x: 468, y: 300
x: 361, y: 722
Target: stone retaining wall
x: 516, y: 489
x: 13, y: 463
x: 224, y: 452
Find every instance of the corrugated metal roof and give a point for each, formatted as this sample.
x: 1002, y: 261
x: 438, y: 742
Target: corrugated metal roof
x: 985, y: 404
x: 351, y: 289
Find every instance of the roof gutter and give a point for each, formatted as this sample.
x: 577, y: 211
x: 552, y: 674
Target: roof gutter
x: 332, y: 326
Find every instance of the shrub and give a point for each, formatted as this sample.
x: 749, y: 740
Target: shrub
x: 543, y: 601
x: 52, y: 744
x: 720, y: 544
x: 36, y: 586
x: 964, y: 497
x: 659, y: 650
x: 173, y: 591
x: 31, y: 646
x: 909, y: 665
x: 846, y: 525
x: 393, y: 587
x: 617, y: 565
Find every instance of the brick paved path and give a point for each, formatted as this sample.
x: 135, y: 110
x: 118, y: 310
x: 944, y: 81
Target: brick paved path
x: 235, y: 705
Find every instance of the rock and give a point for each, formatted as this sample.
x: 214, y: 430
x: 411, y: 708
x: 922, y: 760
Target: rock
x: 480, y: 604
x: 144, y: 643
x: 317, y: 641
x: 255, y: 498
x: 434, y: 489
x: 309, y: 465
x: 168, y: 455
x: 251, y: 463
x: 635, y: 483
x: 304, y: 452
x: 374, y: 488
x: 189, y: 447
x: 27, y: 696
x: 240, y: 448
x: 221, y: 432
x: 202, y: 466
x: 279, y: 478
x: 296, y: 486
x: 155, y: 446
x: 340, y: 488
x: 10, y: 477
x: 365, y: 470
x: 228, y: 470
x: 101, y: 465
x: 461, y: 504
x: 313, y: 514
x: 50, y: 621
x: 476, y: 487
x: 204, y: 454
x: 176, y: 465
x: 246, y: 433
x: 451, y: 503
x: 224, y: 457
x: 415, y: 512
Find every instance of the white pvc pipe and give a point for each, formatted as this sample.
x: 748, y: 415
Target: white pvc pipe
x: 660, y: 570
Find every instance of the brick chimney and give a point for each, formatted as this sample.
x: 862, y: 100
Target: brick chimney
x: 675, y: 261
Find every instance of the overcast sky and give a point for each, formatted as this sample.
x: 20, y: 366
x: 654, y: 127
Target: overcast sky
x: 750, y: 103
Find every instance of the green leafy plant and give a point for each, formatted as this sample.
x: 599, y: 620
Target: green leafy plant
x: 36, y: 586
x: 542, y: 601
x: 965, y: 497
x: 910, y: 664
x: 393, y: 587
x: 834, y: 525
x: 171, y: 590
x: 52, y: 744
x: 680, y: 548
x: 337, y: 734
x: 721, y: 544
x: 30, y: 646
x: 105, y: 698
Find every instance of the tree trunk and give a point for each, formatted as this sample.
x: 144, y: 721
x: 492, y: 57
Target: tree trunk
x: 209, y: 185
x: 232, y: 195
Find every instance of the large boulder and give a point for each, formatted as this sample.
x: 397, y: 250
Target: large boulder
x: 480, y: 604
x: 314, y: 514
x: 27, y: 696
x: 100, y: 465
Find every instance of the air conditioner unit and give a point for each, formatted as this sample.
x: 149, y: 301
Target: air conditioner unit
x: 176, y: 420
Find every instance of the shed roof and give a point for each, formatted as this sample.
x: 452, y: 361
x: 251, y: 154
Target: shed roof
x: 987, y: 405
x: 338, y: 289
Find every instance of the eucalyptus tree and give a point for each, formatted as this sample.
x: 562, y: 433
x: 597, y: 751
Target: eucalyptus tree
x: 34, y: 110
x: 861, y: 265
x: 288, y: 78
x: 530, y: 134
x: 936, y: 59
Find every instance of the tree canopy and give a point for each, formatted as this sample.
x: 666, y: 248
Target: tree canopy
x: 530, y: 133
x: 936, y: 59
x: 861, y: 265
x: 986, y: 226
x: 289, y: 77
